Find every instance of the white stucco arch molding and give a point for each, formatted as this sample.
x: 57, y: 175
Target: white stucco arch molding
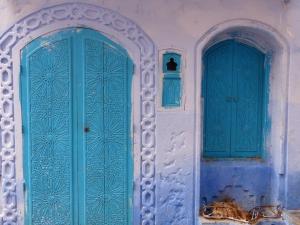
x: 142, y: 51
x: 274, y: 44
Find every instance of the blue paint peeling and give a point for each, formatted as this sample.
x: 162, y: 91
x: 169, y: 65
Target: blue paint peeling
x: 267, y: 119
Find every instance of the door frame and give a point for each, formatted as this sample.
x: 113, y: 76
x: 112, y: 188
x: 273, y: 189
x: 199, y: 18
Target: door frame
x: 142, y: 52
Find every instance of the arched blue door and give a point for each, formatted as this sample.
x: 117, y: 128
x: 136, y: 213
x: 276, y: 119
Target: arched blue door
x: 234, y: 96
x: 76, y: 107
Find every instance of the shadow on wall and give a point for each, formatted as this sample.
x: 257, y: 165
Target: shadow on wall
x: 293, y: 197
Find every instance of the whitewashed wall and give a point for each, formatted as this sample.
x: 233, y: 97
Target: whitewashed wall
x: 180, y: 24
x: 292, y: 33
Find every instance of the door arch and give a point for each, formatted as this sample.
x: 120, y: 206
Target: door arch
x: 76, y: 106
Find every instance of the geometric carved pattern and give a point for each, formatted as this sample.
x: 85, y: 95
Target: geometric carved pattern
x: 107, y: 83
x: 75, y: 14
x: 48, y: 133
x: 94, y: 153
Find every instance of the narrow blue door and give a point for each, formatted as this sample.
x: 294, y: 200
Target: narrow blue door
x: 233, y: 91
x: 76, y: 94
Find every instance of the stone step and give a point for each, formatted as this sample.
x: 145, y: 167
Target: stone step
x: 292, y: 216
x: 260, y: 222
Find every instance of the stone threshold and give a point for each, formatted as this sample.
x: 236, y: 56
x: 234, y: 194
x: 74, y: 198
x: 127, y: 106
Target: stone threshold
x: 292, y: 216
x: 204, y: 221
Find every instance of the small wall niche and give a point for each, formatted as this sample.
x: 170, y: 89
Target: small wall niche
x: 172, y: 85
x: 171, y: 62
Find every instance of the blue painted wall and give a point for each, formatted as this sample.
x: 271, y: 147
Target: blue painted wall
x: 248, y: 182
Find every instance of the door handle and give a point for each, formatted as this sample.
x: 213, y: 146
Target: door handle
x: 231, y: 99
x: 86, y: 129
x: 235, y: 99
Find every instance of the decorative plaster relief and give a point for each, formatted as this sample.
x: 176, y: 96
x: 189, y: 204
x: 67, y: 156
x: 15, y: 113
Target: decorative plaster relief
x: 78, y: 14
x: 173, y: 180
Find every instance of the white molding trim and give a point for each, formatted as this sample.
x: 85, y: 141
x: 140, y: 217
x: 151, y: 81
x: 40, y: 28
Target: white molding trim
x: 269, y: 40
x: 141, y: 50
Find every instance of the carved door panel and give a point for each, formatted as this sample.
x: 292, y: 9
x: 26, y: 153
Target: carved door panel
x: 48, y: 127
x: 107, y: 115
x: 75, y: 92
x: 233, y: 91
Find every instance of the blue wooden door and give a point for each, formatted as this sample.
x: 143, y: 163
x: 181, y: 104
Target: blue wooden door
x: 76, y: 94
x: 248, y: 78
x: 233, y: 91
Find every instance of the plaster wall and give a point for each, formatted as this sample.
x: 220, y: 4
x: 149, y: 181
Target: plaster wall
x: 179, y: 24
x: 292, y: 169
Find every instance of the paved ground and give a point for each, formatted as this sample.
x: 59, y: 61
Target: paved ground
x: 293, y: 217
x: 260, y: 222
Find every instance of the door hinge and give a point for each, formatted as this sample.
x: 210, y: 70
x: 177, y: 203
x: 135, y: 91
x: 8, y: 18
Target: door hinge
x: 133, y: 69
x: 24, y: 186
x: 23, y: 129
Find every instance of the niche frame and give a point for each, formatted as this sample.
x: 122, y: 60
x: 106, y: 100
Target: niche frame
x: 182, y: 72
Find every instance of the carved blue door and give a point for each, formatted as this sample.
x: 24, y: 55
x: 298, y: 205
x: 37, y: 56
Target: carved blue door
x: 76, y: 107
x: 233, y: 91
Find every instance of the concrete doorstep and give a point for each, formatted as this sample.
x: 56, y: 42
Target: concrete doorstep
x: 292, y: 217
x: 283, y: 221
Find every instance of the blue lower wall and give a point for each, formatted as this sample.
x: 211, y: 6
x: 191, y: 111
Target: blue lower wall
x: 248, y: 182
x: 293, y: 193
